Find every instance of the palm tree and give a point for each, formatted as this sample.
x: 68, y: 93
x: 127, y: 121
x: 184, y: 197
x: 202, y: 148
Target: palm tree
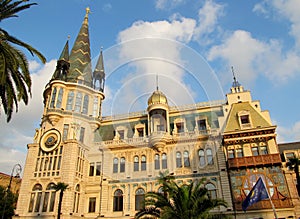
x: 189, y: 201
x: 293, y: 164
x: 60, y: 187
x: 15, y: 80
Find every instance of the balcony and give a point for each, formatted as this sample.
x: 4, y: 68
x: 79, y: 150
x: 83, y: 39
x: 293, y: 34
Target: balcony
x: 254, y: 160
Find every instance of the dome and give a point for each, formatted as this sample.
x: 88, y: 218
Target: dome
x: 157, y: 98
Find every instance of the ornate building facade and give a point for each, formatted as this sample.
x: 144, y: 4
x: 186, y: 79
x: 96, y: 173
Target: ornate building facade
x: 109, y: 163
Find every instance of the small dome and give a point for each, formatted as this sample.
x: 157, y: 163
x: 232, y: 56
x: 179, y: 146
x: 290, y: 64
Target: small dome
x: 157, y: 98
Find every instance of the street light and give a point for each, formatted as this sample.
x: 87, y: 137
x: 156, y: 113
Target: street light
x: 101, y: 181
x: 17, y: 169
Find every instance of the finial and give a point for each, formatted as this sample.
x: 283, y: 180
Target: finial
x: 234, y: 79
x: 69, y: 37
x: 88, y: 11
x: 156, y: 81
x: 235, y: 82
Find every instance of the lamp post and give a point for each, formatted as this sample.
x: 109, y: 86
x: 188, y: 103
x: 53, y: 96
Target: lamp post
x: 101, y: 181
x: 17, y: 169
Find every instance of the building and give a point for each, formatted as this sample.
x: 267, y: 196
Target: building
x: 110, y: 162
x: 13, y: 181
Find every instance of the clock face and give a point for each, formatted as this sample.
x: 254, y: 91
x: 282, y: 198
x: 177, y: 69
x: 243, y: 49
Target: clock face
x: 50, y: 140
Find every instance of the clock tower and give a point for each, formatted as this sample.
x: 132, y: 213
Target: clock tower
x: 72, y: 113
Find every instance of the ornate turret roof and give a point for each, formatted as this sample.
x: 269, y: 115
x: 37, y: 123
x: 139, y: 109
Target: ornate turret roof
x: 157, y: 97
x: 65, y: 53
x: 80, y: 57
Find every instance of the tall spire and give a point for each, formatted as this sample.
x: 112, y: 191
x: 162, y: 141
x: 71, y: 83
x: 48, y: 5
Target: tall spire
x: 80, y: 57
x: 63, y: 65
x: 99, y: 74
x: 65, y: 53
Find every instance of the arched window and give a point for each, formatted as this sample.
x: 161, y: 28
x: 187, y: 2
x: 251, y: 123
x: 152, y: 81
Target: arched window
x: 139, y: 199
x: 76, y: 198
x: 201, y: 158
x: 164, y: 161
x: 143, y: 163
x: 157, y: 162
x: 59, y: 98
x: 95, y: 106
x: 49, y: 198
x: 116, y: 165
x: 85, y: 107
x: 118, y: 200
x: 209, y: 155
x: 178, y: 159
x: 35, y: 198
x: 70, y: 100
x: 212, y: 191
x: 53, y: 98
x: 78, y: 102
x: 122, y: 164
x: 136, y: 163
x: 186, y: 159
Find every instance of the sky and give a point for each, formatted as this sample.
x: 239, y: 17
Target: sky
x: 186, y: 47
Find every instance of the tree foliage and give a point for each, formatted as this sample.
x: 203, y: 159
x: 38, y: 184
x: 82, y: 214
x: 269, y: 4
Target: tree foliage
x: 179, y: 201
x: 8, y: 201
x: 15, y: 80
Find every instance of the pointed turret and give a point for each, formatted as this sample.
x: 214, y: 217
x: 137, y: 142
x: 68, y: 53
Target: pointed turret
x: 63, y: 64
x: 80, y: 57
x: 99, y: 74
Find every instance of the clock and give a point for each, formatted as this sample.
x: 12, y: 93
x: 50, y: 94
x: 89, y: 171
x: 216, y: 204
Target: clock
x: 50, y: 140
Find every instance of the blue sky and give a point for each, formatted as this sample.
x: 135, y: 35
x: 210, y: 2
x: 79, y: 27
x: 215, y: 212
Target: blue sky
x: 190, y: 45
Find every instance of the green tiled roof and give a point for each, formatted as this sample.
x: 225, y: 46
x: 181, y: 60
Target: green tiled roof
x: 257, y: 118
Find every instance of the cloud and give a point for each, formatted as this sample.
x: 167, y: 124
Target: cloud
x: 16, y: 134
x: 289, y: 134
x: 253, y: 57
x: 288, y: 9
x: 208, y: 17
x: 167, y: 4
x: 147, y: 49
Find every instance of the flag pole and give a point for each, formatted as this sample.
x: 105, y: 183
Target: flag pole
x: 273, y: 207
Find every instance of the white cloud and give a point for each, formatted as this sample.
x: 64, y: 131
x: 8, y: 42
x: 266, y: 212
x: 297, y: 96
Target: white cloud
x: 289, y: 134
x: 289, y: 9
x: 167, y: 4
x: 208, y: 17
x: 16, y: 134
x: 253, y: 57
x: 150, y: 49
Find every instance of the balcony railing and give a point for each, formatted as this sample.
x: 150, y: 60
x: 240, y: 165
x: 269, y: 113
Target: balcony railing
x: 266, y: 204
x: 254, y: 160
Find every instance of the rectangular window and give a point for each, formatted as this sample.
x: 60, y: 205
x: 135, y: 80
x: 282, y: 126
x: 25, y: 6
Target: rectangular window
x: 245, y: 119
x: 239, y: 152
x: 289, y: 155
x: 121, y: 134
x: 98, y: 168
x: 230, y: 153
x: 65, y: 132
x: 92, y: 204
x: 92, y: 168
x: 201, y: 124
x: 180, y: 127
x: 263, y: 150
x: 136, y: 166
x: 255, y: 151
x: 45, y: 203
x: 140, y: 132
x: 82, y: 130
x: 143, y: 165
